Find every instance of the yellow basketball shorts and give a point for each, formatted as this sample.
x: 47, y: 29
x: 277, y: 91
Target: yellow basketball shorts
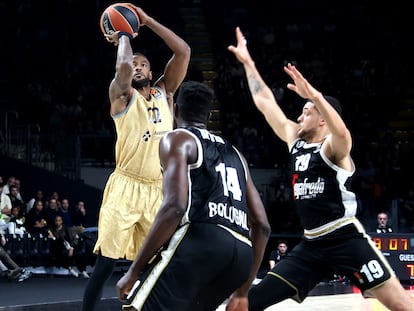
x: 128, y: 209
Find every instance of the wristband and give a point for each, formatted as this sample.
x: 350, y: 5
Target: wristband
x: 124, y: 33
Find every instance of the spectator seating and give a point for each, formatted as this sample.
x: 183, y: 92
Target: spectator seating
x: 35, y: 253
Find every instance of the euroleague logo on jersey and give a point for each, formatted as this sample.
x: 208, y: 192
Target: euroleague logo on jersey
x: 156, y: 93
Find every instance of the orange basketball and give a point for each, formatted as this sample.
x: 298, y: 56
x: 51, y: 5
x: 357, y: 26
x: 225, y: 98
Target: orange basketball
x: 119, y: 16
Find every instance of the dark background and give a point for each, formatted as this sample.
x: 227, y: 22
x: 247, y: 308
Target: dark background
x: 54, y: 58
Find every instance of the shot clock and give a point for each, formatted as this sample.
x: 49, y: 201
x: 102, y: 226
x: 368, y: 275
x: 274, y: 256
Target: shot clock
x: 398, y: 248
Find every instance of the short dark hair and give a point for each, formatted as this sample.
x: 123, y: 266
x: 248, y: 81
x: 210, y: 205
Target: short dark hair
x: 282, y: 242
x: 136, y: 54
x: 194, y: 101
x: 334, y: 103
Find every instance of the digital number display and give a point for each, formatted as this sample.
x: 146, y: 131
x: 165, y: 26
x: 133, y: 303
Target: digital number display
x: 392, y: 244
x: 403, y: 269
x: 399, y: 251
x: 410, y: 269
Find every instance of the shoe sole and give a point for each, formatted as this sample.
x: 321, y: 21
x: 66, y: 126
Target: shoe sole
x: 24, y: 276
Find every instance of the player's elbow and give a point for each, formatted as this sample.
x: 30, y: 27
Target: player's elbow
x: 182, y: 55
x: 262, y: 227
x: 175, y: 209
x: 266, y: 229
x: 185, y: 52
x: 179, y: 211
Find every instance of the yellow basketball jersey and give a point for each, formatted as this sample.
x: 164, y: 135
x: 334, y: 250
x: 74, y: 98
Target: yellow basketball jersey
x: 139, y: 129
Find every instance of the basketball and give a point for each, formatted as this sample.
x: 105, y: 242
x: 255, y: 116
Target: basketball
x: 119, y: 16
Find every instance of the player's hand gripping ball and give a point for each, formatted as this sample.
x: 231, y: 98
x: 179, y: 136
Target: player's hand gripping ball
x: 120, y: 17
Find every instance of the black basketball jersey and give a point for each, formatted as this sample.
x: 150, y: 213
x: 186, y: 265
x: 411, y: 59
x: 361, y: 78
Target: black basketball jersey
x: 217, y: 184
x: 321, y: 190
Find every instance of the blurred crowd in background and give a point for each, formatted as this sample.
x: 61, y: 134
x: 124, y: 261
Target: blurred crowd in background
x: 58, y: 68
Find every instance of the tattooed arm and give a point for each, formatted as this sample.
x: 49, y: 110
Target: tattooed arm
x: 262, y: 95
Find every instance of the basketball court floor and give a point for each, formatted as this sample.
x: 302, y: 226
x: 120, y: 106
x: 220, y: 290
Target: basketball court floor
x: 64, y: 293
x: 330, y: 297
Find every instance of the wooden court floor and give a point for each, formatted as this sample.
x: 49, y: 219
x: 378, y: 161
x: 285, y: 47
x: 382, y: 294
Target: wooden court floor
x: 64, y: 293
x: 351, y: 301
x: 340, y: 302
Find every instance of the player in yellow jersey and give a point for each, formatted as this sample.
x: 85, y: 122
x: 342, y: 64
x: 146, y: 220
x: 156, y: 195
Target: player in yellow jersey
x: 142, y: 115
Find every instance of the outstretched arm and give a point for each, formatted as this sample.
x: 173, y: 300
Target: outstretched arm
x: 262, y: 95
x: 176, y: 68
x: 338, y: 144
x: 120, y: 88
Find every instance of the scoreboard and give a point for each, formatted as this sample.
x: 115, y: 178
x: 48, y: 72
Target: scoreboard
x: 398, y: 248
